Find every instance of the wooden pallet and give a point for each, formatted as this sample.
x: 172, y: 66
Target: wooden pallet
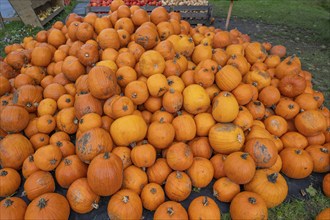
x: 193, y: 14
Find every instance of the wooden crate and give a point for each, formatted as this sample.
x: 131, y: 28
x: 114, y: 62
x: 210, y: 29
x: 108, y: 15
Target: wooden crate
x: 27, y: 10
x: 193, y: 14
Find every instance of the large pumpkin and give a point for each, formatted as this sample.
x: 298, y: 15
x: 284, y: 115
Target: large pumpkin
x: 203, y: 207
x: 128, y: 129
x: 12, y: 208
x: 310, y: 122
x: 151, y: 62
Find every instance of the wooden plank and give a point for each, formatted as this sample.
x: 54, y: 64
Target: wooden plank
x: 37, y: 3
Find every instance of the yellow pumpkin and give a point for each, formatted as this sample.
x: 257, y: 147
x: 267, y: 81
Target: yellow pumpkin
x: 195, y: 99
x: 226, y: 138
x: 151, y: 62
x: 128, y: 129
x: 225, y: 107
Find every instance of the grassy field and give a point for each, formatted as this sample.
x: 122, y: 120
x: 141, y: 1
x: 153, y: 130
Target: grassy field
x: 312, y: 15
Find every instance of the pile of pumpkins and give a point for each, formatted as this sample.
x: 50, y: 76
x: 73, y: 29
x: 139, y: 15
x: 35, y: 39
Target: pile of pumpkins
x: 157, y: 107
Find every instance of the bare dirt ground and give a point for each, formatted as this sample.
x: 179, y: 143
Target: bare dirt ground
x: 314, y: 54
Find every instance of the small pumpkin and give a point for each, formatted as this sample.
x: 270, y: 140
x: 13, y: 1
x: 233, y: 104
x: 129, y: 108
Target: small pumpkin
x: 70, y: 169
x: 287, y: 108
x: 106, y: 168
x: 133, y: 126
x: 159, y: 171
x: 270, y: 185
x: 228, y: 78
x: 38, y: 183
x: 93, y: 142
x: 326, y: 185
x: 134, y: 179
x: 239, y: 167
x: 203, y: 207
x: 29, y: 167
x: 14, y: 119
x: 195, y: 99
x: 170, y: 210
x: 81, y: 197
x: 225, y: 190
x: 310, y: 122
x: 10, y: 181
x: 184, y: 126
x: 248, y: 205
x: 178, y: 186
x: 320, y: 156
x: 48, y: 205
x: 276, y: 125
x: 125, y: 204
x: 12, y: 208
x: 179, y: 156
x: 225, y: 107
x: 200, y: 172
x: 14, y: 149
x: 143, y: 155
x: 47, y: 157
x: 226, y: 138
x: 152, y: 196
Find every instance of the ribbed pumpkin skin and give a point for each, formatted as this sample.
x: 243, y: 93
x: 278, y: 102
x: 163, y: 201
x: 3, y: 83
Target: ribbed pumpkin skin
x: 228, y: 78
x: 12, y: 208
x: 48, y: 206
x: 226, y: 138
x: 270, y: 185
x: 105, y: 174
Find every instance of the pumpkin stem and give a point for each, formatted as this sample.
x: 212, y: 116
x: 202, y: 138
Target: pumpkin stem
x: 133, y: 144
x: 153, y: 190
x: 31, y: 158
x: 226, y: 94
x: 161, y: 120
x: 172, y: 90
x: 59, y: 143
x: 179, y: 113
x: 29, y: 104
x: 125, y: 108
x: 75, y: 121
x: 125, y: 199
x: 36, y: 104
x: 298, y: 151
x: 134, y: 95
x: 42, y: 203
x: 95, y: 205
x: 67, y: 162
x: 272, y: 177
x: 106, y: 155
x: 53, y: 161
x: 252, y: 200
x: 144, y: 142
x: 178, y: 175
x: 244, y: 156
x: 291, y: 59
x: 291, y: 106
x: 257, y: 103
x: 324, y: 150
x: 8, y: 202
x: 215, y: 193
x: 4, y: 173
x: 205, y: 201
x: 255, y: 84
x: 170, y: 211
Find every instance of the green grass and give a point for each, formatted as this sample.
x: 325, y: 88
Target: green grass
x: 297, y: 208
x: 15, y: 31
x: 312, y: 15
